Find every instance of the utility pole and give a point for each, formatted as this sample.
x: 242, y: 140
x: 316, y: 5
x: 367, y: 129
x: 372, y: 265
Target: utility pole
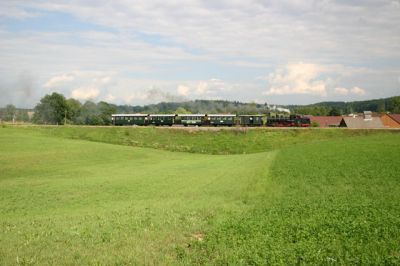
x: 65, y: 117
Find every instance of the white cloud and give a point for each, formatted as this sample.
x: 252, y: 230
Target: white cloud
x: 358, y: 91
x: 255, y: 28
x: 299, y: 78
x: 237, y: 39
x: 85, y: 93
x: 59, y: 80
x: 102, y: 80
x: 354, y: 90
x: 203, y: 88
x: 341, y: 91
x: 109, y: 98
x: 13, y: 10
x: 183, y: 90
x: 82, y: 85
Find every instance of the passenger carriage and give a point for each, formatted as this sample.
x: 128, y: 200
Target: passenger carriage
x: 162, y: 119
x: 192, y: 119
x: 221, y: 120
x: 129, y: 119
x: 251, y: 120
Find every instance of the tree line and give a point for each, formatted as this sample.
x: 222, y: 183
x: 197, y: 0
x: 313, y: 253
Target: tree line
x: 56, y: 109
x: 385, y: 105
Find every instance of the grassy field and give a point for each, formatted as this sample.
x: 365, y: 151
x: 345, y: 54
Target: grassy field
x: 296, y: 196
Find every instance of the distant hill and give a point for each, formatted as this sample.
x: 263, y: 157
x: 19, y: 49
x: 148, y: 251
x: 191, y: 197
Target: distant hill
x: 198, y: 106
x: 391, y: 105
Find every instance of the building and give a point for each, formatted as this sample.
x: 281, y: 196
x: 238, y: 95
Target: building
x: 391, y: 120
x: 326, y: 121
x: 365, y: 121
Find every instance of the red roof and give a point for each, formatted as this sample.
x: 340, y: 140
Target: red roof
x: 326, y: 121
x: 395, y: 117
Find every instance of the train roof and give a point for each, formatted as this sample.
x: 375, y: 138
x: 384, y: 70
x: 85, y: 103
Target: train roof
x: 169, y: 115
x: 191, y: 115
x: 214, y: 115
x: 250, y: 115
x: 129, y: 115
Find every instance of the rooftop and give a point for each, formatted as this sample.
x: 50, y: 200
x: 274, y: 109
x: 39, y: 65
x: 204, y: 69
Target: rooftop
x: 326, y: 121
x: 360, y: 122
x: 395, y: 117
x: 129, y: 115
x: 213, y: 115
x: 191, y: 115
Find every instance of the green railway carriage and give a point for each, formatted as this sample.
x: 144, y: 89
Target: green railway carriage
x: 129, y: 119
x: 251, y: 120
x: 162, y: 119
x: 221, y: 119
x: 192, y: 119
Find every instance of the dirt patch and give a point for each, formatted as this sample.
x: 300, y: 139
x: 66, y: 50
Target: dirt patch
x: 198, y: 236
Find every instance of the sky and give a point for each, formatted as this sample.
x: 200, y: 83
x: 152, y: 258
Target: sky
x: 141, y: 52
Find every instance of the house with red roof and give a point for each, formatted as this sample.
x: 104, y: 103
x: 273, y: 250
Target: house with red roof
x: 326, y: 121
x: 391, y: 120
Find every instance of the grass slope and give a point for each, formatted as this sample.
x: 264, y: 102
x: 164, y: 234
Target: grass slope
x: 77, y: 202
x: 327, y: 199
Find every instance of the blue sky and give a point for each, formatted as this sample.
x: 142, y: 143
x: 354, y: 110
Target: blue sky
x: 140, y: 52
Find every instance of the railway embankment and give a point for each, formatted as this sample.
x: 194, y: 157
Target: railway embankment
x: 205, y: 140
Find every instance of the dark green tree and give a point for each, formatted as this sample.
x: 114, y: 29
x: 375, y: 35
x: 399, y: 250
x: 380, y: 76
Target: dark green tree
x: 10, y: 113
x: 89, y: 114
x: 52, y: 109
x: 22, y: 115
x: 181, y: 110
x: 105, y: 111
x: 74, y: 109
x: 335, y: 112
x: 396, y: 105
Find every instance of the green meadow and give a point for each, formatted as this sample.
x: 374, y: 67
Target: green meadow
x: 161, y: 196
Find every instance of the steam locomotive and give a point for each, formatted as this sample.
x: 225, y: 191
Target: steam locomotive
x: 209, y: 120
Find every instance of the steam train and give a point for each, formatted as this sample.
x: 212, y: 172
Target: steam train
x: 209, y: 120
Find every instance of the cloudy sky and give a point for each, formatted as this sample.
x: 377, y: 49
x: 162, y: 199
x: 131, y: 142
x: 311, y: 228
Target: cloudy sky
x: 139, y: 52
